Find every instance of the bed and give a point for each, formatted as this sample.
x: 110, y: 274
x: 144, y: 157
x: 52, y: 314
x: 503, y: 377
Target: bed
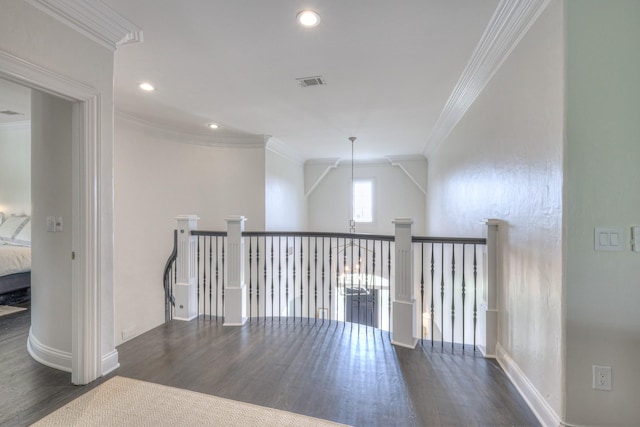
x: 15, y: 259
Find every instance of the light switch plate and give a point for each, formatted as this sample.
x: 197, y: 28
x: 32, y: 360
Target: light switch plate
x: 610, y: 239
x: 635, y: 239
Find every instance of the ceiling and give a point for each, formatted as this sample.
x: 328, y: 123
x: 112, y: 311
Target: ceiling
x: 389, y: 69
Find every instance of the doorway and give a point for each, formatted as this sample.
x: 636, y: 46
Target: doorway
x: 91, y: 311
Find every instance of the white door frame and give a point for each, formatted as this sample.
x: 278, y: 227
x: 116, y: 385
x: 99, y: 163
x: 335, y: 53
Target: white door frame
x: 86, y: 286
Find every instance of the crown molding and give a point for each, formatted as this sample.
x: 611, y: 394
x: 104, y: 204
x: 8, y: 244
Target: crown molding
x: 332, y: 161
x: 399, y: 161
x: 405, y: 158
x: 283, y: 150
x: 509, y: 23
x: 185, y: 137
x: 94, y: 19
x: 363, y: 162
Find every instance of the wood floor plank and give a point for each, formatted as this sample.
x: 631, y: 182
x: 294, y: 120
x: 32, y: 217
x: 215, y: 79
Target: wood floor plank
x: 332, y: 371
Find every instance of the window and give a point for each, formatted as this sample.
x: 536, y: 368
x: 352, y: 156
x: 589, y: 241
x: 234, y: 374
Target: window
x: 363, y: 200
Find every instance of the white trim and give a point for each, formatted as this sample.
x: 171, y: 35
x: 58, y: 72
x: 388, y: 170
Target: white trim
x: 93, y: 19
x: 86, y: 286
x: 536, y: 402
x: 283, y: 150
x: 399, y: 344
x: 178, y: 135
x: 363, y: 162
x: 329, y: 163
x: 87, y: 310
x: 48, y: 356
x: 509, y: 23
x: 110, y: 362
x: 397, y: 161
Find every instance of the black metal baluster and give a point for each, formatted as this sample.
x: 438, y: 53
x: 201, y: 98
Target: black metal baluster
x: 432, y: 294
x: 223, y: 277
x: 279, y: 277
x: 204, y: 277
x: 210, y: 274
x: 266, y: 287
x: 389, y: 275
x: 175, y: 280
x: 293, y: 285
x: 344, y: 282
x: 351, y: 282
x: 217, y: 282
x: 442, y: 296
x: 330, y: 310
x: 475, y: 294
x: 366, y: 284
x: 358, y: 266
x: 373, y: 273
x: 308, y: 279
x: 198, y: 280
x: 453, y: 293
x: 272, y: 280
x: 301, y: 278
x: 422, y: 291
x: 315, y: 278
x: 250, y: 282
x: 258, y: 278
x: 323, y: 307
x: 464, y: 325
x: 286, y: 295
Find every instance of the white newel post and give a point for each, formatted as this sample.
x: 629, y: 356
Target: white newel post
x: 186, y: 287
x: 235, y: 302
x: 404, y: 319
x: 488, y: 310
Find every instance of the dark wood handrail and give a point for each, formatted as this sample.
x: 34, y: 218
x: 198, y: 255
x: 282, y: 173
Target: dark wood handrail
x: 169, y: 299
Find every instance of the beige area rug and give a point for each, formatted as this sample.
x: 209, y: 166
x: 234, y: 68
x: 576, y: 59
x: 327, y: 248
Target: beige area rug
x: 7, y: 309
x: 126, y: 402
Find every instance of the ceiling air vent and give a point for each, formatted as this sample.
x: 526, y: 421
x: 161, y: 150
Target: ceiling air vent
x: 311, y: 81
x: 10, y: 113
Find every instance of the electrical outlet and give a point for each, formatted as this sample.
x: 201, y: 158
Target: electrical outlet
x: 602, y: 378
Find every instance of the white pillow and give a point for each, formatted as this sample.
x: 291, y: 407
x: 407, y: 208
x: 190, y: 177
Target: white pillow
x: 12, y: 226
x: 24, y: 236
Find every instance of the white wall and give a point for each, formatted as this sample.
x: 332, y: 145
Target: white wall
x: 35, y: 37
x: 286, y: 205
x: 15, y: 168
x: 504, y: 160
x: 158, y: 177
x: 602, y: 177
x: 51, y: 252
x: 396, y: 195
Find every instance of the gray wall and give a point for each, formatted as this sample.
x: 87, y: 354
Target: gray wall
x: 52, y: 196
x: 602, y: 189
x: 504, y: 160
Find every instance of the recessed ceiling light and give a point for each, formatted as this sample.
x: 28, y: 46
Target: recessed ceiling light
x: 146, y: 87
x: 308, y: 18
x: 213, y: 125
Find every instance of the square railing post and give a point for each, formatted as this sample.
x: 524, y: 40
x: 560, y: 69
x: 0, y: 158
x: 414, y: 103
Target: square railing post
x: 186, y: 307
x: 235, y: 302
x: 404, y: 315
x: 488, y: 311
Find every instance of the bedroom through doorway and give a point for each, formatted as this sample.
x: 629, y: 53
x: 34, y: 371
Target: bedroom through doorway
x: 36, y: 194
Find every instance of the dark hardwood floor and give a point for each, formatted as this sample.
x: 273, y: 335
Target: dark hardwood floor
x: 341, y: 374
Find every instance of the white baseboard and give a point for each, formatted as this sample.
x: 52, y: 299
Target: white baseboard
x: 48, y: 356
x: 110, y: 362
x: 537, y: 403
x: 405, y: 345
x: 185, y: 319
